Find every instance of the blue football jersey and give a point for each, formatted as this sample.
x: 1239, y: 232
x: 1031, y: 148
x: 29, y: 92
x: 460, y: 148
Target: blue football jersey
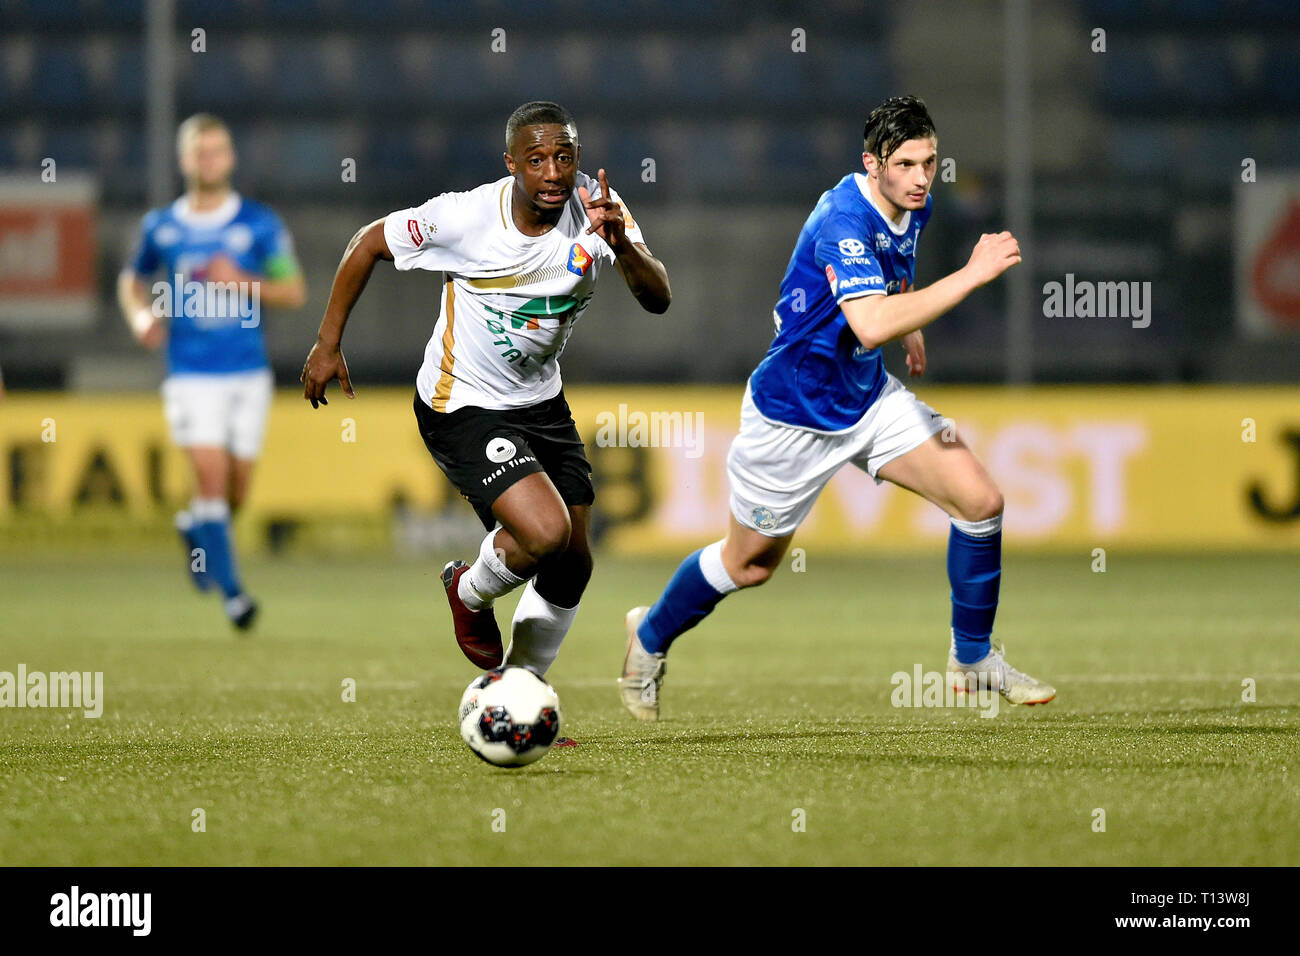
x: 206, y: 335
x: 816, y: 373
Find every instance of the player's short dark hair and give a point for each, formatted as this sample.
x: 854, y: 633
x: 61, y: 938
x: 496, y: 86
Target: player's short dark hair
x: 893, y: 123
x: 537, y: 113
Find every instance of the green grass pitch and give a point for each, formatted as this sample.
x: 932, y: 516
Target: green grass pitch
x: 779, y: 703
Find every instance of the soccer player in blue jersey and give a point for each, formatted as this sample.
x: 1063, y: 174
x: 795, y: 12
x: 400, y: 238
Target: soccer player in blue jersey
x: 821, y: 399
x: 222, y: 259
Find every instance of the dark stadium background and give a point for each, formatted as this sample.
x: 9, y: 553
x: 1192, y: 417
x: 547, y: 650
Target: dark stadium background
x: 1127, y: 160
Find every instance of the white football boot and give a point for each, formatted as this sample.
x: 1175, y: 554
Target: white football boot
x: 1016, y: 687
x: 643, y: 672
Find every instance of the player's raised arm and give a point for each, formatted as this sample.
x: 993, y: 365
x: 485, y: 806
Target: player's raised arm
x: 877, y: 319
x: 646, y: 277
x: 325, y: 361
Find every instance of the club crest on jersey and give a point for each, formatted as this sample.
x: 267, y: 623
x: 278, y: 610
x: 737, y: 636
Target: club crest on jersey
x: 898, y: 285
x: 413, y: 228
x: 832, y: 278
x: 579, y: 260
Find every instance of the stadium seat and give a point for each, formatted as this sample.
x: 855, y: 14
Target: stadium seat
x: 1281, y: 67
x: 72, y: 147
x: 308, y: 74
x: 216, y: 80
x: 59, y: 77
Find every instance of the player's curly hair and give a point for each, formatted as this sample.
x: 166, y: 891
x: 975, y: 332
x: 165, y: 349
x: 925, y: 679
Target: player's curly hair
x: 536, y: 113
x: 893, y: 123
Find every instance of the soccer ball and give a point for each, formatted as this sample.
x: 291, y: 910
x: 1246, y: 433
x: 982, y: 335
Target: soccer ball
x: 509, y: 716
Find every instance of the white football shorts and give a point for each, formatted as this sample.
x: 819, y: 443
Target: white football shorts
x: 777, y: 471
x: 221, y: 411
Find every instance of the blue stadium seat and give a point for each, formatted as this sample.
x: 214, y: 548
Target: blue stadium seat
x: 376, y: 78
x: 303, y: 74
x: 1281, y: 67
x: 71, y: 147
x: 1205, y: 76
x: 210, y: 13
x: 128, y: 84
x: 852, y: 72
x: 1131, y: 77
x: 216, y: 80
x: 313, y: 154
x: 59, y: 78
x: 1142, y: 146
x: 299, y: 12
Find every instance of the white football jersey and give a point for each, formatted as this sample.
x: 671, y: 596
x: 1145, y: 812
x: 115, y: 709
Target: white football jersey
x: 509, y: 301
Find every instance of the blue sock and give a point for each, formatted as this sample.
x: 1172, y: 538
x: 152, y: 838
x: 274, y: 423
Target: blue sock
x: 185, y: 528
x: 975, y: 572
x: 690, y: 596
x: 211, y: 532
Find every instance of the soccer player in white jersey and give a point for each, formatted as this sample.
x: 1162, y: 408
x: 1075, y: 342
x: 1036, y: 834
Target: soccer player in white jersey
x: 520, y: 257
x: 821, y: 399
x: 223, y: 258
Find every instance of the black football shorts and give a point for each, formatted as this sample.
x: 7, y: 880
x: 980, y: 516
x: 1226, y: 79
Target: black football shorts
x: 484, y: 451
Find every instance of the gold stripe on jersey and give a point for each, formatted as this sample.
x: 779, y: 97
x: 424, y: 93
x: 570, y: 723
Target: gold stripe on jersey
x: 502, y: 204
x: 442, y: 393
x: 548, y: 274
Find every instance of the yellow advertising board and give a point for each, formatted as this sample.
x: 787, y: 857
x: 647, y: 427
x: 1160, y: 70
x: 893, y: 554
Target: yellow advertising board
x: 1155, y: 468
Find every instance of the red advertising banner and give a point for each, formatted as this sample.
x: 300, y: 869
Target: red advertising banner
x: 47, y: 252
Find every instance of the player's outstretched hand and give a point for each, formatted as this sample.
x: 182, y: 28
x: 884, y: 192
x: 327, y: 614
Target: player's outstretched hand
x: 993, y: 255
x: 606, y: 215
x: 323, y: 365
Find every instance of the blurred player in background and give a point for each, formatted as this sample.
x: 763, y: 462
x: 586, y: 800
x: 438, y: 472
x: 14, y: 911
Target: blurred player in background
x: 821, y: 399
x: 223, y: 257
x: 520, y: 257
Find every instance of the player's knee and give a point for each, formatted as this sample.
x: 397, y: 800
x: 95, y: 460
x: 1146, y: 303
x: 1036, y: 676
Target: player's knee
x: 988, y: 503
x: 547, y: 537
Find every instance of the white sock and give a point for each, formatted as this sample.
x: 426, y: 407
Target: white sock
x: 209, y: 509
x: 714, y: 571
x: 487, y: 578
x: 537, y: 630
x: 979, y: 529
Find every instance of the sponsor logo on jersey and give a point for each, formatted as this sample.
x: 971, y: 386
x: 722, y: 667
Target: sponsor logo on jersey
x: 238, y: 239
x: 500, y: 449
x: 413, y: 228
x: 853, y: 281
x: 167, y: 235
x: 882, y: 242
x: 830, y: 277
x: 579, y: 260
x: 851, y: 247
x: 763, y: 518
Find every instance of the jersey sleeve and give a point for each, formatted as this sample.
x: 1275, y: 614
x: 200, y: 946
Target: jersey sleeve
x: 426, y: 236
x: 146, y: 259
x: 275, y: 249
x: 844, y: 252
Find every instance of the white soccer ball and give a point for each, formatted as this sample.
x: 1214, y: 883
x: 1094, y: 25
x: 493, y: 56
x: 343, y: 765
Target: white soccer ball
x: 510, y: 716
